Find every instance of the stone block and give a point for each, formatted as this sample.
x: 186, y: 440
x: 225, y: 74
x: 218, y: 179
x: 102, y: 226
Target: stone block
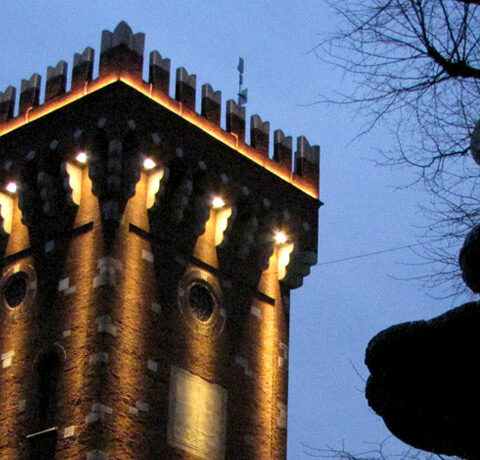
x: 69, y: 432
x: 152, y: 365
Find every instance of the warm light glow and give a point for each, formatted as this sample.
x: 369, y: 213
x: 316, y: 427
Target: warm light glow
x: 148, y: 163
x: 221, y: 223
x: 6, y: 211
x: 11, y: 187
x: 218, y: 203
x: 153, y: 186
x: 75, y: 180
x: 81, y: 157
x: 52, y: 106
x: 283, y: 259
x: 174, y: 106
x: 280, y: 237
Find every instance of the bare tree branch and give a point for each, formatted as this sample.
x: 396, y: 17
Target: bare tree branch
x: 416, y: 69
x: 375, y: 451
x: 473, y: 2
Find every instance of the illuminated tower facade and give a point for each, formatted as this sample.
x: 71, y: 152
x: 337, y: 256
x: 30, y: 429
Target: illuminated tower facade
x: 147, y: 259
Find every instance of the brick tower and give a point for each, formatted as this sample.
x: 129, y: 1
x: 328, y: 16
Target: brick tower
x: 147, y: 259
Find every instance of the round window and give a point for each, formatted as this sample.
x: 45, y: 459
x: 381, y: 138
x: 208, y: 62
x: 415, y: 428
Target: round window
x: 15, y: 289
x: 201, y: 301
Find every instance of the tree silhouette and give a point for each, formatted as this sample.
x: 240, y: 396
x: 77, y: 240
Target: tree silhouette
x: 416, y: 65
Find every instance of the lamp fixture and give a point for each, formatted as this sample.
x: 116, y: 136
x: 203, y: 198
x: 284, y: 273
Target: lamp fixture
x: 11, y: 187
x: 280, y: 237
x: 81, y: 157
x: 218, y: 202
x: 148, y: 163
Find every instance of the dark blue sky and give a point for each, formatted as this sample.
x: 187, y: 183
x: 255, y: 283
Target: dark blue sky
x: 342, y: 305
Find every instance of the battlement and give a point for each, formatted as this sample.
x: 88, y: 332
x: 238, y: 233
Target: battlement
x: 121, y: 58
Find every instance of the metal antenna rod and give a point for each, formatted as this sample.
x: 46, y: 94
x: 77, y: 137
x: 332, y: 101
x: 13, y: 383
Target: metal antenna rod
x: 242, y: 93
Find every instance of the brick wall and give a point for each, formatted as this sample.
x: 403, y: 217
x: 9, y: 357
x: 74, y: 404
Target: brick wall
x: 112, y: 302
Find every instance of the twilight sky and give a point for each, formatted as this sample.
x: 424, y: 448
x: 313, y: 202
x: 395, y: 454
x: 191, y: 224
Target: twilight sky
x: 341, y: 305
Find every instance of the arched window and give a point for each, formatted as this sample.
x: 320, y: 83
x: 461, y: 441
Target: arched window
x: 44, y: 440
x: 48, y: 370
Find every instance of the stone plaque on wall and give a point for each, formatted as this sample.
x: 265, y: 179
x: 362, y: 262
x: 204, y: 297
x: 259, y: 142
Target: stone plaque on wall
x: 197, y: 415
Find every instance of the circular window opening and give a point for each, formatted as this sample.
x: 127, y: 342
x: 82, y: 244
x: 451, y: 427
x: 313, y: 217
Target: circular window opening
x: 201, y: 301
x: 16, y: 289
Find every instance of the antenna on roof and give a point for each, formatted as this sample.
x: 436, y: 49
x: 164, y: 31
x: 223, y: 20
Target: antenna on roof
x: 242, y: 92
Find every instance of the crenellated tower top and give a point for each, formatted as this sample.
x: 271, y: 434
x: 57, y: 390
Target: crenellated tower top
x: 121, y: 58
x: 118, y: 120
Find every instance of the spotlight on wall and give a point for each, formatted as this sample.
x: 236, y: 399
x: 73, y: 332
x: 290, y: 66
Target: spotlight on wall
x: 11, y: 187
x: 81, y: 157
x: 148, y: 163
x: 217, y: 202
x: 280, y: 237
